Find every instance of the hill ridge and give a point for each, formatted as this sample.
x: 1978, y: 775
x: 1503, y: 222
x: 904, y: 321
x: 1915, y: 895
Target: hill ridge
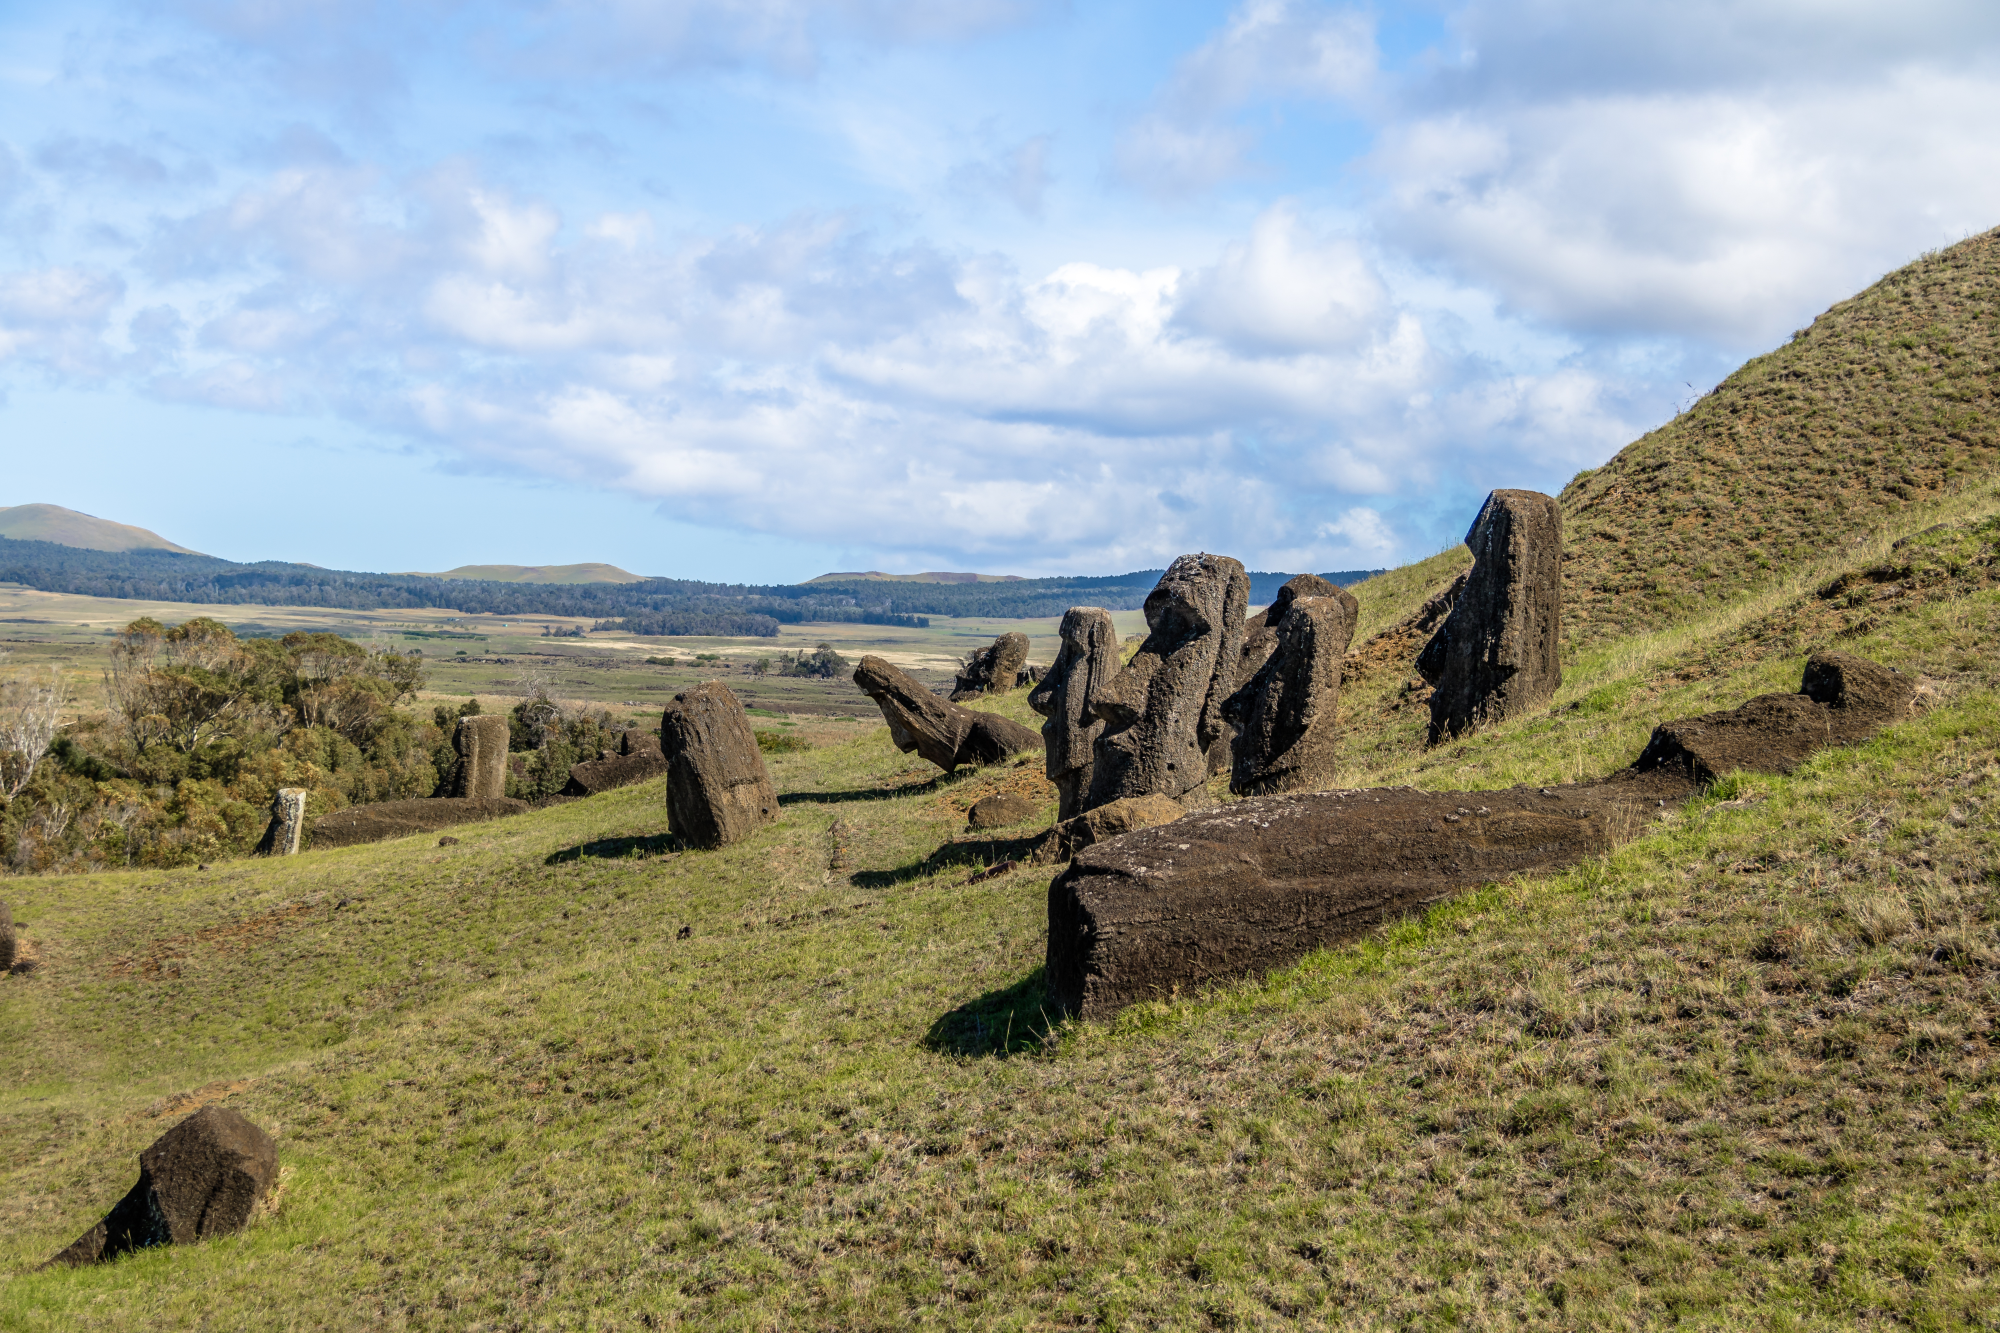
x: 70, y: 527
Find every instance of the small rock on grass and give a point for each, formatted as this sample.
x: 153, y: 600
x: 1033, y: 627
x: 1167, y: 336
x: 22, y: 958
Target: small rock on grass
x: 1001, y: 809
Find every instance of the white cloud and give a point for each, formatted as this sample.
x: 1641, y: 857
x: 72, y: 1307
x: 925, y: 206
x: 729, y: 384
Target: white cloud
x: 1285, y: 290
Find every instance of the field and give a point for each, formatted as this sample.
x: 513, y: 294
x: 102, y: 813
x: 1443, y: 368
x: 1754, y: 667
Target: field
x: 1738, y: 1074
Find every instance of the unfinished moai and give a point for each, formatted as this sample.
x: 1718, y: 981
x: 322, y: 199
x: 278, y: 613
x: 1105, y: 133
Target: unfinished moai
x: 1497, y: 653
x: 200, y: 1179
x: 1163, y: 712
x: 718, y: 790
x: 994, y: 669
x: 1067, y: 694
x: 943, y: 733
x: 287, y: 830
x: 1260, y: 883
x: 1287, y: 715
x: 481, y: 742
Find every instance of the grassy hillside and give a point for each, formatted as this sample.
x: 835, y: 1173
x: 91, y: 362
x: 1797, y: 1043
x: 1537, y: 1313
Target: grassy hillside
x: 1741, y: 1073
x: 590, y: 572
x: 66, y: 527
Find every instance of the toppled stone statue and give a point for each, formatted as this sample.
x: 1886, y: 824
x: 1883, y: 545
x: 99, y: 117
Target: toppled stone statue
x: 718, y: 790
x: 481, y: 742
x: 941, y: 732
x: 1067, y: 695
x: 202, y: 1178
x: 1163, y: 712
x: 994, y: 669
x: 1497, y: 653
x: 1260, y: 883
x: 637, y: 758
x: 286, y: 832
x: 1287, y: 715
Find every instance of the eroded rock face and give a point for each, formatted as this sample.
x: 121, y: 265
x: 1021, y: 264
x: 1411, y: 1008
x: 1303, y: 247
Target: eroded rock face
x: 1163, y: 712
x: 943, y: 733
x: 202, y: 1178
x: 718, y: 790
x: 1287, y: 715
x: 286, y: 832
x: 481, y: 743
x: 1496, y: 655
x: 994, y: 669
x: 1257, y: 884
x: 1067, y: 694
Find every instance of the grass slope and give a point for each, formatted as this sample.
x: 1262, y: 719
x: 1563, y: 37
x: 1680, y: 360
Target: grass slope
x: 66, y: 527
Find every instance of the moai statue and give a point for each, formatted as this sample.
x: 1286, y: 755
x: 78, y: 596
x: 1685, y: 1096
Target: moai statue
x: 1287, y: 715
x: 288, y: 822
x: 1163, y: 712
x: 994, y: 669
x: 482, y: 755
x: 718, y: 790
x: 1066, y: 695
x: 1498, y: 652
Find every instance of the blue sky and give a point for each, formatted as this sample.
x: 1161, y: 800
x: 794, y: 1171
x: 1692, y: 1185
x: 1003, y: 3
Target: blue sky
x: 753, y: 289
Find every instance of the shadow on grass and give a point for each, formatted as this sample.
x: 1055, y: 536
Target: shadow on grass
x: 971, y: 853
x: 999, y: 1023
x: 614, y: 849
x: 870, y: 794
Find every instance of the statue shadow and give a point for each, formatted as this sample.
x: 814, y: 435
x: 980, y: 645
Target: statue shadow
x: 1000, y: 1023
x: 616, y: 849
x: 971, y: 853
x: 870, y: 794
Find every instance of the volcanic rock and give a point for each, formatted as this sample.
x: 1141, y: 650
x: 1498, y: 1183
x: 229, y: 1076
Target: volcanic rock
x: 1496, y: 655
x: 941, y: 732
x: 1067, y: 695
x: 286, y: 831
x: 609, y: 771
x: 202, y: 1178
x: 1163, y: 712
x: 1260, y: 883
x: 1287, y: 716
x: 718, y: 790
x: 1001, y: 809
x: 994, y: 669
x: 481, y: 742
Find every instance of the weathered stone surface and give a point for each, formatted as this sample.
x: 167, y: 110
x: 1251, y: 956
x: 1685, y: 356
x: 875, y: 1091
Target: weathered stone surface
x: 202, y: 1178
x: 1001, y: 809
x: 1287, y: 717
x: 286, y: 832
x: 943, y: 733
x: 1260, y: 632
x: 1067, y: 695
x: 1843, y: 699
x: 1259, y: 883
x: 718, y: 790
x: 399, y: 819
x: 1496, y: 654
x: 1163, y: 712
x: 1117, y: 818
x: 8, y: 946
x: 994, y: 669
x: 610, y: 771
x: 481, y: 742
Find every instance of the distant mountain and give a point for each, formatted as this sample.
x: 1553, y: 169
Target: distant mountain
x: 66, y: 527
x: 931, y: 576
x: 590, y: 572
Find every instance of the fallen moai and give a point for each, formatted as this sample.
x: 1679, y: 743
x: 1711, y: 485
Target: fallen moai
x: 383, y: 820
x: 1258, y: 884
x: 202, y: 1178
x: 1497, y: 653
x: 1066, y: 695
x: 286, y: 833
x: 718, y: 790
x: 481, y: 742
x: 1286, y: 717
x: 638, y: 758
x: 994, y: 669
x: 1164, y: 728
x: 942, y: 733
